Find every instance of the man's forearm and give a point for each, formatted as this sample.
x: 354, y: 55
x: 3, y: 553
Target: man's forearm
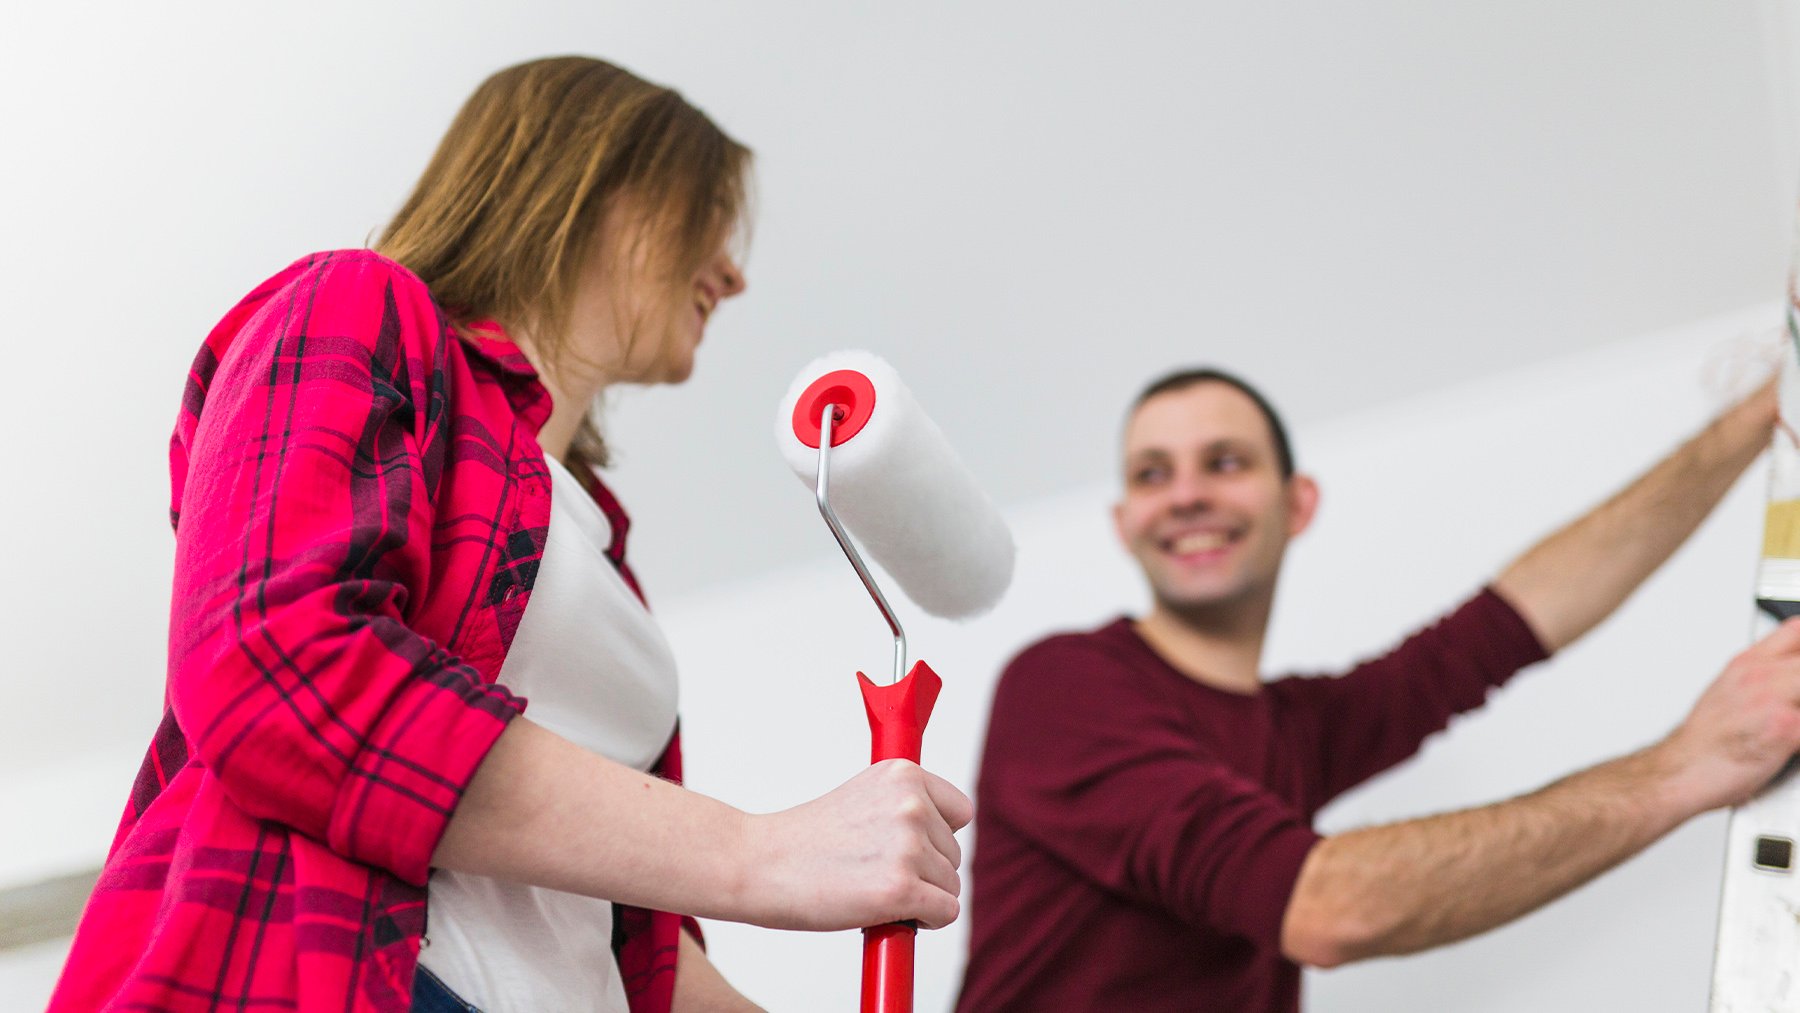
x: 1569, y: 582
x: 1425, y: 882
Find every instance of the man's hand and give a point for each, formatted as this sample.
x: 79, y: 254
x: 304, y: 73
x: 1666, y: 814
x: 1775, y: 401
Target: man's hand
x: 1744, y: 727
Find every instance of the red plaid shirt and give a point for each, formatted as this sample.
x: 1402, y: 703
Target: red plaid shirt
x: 359, y: 506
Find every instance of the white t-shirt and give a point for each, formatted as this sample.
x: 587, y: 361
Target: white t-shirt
x: 597, y: 671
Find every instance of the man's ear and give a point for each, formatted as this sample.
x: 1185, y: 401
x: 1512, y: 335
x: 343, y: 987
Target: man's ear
x: 1118, y: 516
x: 1303, y: 503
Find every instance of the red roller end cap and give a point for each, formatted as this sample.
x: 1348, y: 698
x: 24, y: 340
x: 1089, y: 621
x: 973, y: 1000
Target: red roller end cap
x: 850, y: 391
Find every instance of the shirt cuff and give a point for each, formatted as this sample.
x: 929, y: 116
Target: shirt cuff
x: 412, y: 770
x: 1265, y: 899
x: 1505, y: 632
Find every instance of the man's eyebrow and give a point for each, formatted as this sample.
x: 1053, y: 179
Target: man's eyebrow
x: 1231, y: 443
x: 1237, y: 443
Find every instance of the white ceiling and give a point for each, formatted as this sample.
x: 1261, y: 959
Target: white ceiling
x: 1032, y: 213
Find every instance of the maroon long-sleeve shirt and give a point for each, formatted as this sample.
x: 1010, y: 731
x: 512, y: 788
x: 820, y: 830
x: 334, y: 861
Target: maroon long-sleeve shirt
x: 1138, y: 833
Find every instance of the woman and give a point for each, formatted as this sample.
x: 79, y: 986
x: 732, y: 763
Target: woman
x: 388, y: 532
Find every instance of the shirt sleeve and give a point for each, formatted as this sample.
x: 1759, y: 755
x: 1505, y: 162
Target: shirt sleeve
x: 1380, y: 712
x: 1089, y: 764
x: 303, y: 535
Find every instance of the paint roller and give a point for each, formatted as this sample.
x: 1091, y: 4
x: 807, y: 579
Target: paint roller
x: 881, y: 468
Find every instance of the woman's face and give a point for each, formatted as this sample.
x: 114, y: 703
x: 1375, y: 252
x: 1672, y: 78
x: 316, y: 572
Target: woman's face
x: 636, y: 317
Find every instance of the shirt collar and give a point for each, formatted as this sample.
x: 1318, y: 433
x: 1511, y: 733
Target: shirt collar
x: 488, y: 341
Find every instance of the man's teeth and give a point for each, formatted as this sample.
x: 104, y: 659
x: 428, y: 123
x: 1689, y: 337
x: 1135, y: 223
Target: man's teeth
x: 1201, y: 542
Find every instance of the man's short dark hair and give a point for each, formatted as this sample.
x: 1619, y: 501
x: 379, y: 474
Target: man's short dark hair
x: 1183, y: 379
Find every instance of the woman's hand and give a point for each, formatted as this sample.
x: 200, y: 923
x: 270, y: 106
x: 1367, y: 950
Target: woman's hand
x: 879, y: 848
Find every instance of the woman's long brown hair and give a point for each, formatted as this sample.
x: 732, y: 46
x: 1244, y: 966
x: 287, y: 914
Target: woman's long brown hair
x: 506, y: 213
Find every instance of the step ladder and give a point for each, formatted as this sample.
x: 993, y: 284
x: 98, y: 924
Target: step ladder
x: 1756, y: 960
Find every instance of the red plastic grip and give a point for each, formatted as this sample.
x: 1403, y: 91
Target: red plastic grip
x: 897, y: 717
x: 887, y: 981
x: 851, y: 391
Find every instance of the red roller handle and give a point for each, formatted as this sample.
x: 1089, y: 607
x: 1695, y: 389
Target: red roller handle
x: 897, y: 716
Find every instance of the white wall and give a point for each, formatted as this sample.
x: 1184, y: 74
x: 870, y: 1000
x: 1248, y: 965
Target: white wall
x: 1027, y: 207
x: 1423, y: 501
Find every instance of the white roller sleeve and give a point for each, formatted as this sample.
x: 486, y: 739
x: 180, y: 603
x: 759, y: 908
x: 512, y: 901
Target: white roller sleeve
x: 904, y: 495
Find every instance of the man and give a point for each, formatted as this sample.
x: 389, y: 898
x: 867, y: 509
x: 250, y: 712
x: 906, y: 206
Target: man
x: 1145, y: 802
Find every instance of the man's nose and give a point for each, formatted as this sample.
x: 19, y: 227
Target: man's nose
x: 1191, y: 493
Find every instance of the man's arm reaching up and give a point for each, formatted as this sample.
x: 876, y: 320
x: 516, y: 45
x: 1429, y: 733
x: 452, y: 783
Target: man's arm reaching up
x: 1567, y: 583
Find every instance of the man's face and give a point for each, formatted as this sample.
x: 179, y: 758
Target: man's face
x: 1205, y: 509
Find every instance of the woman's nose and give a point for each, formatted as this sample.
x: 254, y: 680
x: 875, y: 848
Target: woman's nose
x: 731, y: 277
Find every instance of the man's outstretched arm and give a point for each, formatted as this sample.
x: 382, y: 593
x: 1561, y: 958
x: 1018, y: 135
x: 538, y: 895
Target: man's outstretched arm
x: 1422, y: 883
x: 1569, y: 582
